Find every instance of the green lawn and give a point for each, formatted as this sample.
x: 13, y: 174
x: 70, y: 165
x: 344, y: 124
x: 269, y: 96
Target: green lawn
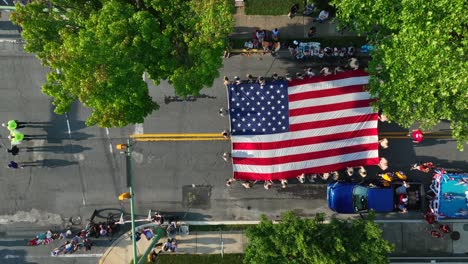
x: 282, y: 7
x: 270, y: 7
x: 199, y: 259
x: 201, y: 228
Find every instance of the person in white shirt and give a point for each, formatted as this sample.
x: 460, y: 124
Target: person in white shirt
x: 248, y: 45
x: 275, y: 32
x: 325, y: 71
x: 322, y: 16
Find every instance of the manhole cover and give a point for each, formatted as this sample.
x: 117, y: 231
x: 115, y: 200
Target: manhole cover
x: 196, y: 196
x: 455, y: 235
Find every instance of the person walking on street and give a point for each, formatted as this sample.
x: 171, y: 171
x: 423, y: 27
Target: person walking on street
x: 13, y: 165
x: 16, y: 137
x: 312, y: 31
x: 416, y: 135
x: 248, y: 184
x: 13, y: 124
x: 267, y: 185
x: 13, y: 150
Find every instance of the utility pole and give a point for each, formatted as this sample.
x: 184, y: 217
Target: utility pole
x: 11, y: 8
x: 128, y: 153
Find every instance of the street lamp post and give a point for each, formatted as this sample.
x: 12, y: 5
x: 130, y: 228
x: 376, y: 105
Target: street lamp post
x: 132, y: 198
x: 128, y: 151
x: 10, y: 8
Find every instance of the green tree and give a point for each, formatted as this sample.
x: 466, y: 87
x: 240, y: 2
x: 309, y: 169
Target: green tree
x: 419, y: 66
x: 98, y: 50
x: 298, y: 240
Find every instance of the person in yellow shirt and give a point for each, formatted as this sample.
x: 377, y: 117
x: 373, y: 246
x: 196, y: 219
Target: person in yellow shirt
x: 16, y: 137
x: 13, y: 124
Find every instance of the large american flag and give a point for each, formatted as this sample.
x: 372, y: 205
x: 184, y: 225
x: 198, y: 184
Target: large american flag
x: 315, y: 125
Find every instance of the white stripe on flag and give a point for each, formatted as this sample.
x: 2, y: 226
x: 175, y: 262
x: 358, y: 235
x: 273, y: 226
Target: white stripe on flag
x: 304, y: 133
x: 308, y: 87
x: 306, y: 164
x: 336, y: 99
x: 331, y: 115
x: 304, y: 149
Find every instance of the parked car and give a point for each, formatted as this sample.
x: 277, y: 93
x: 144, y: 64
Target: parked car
x: 352, y: 198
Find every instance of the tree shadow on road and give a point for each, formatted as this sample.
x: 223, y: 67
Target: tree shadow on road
x: 190, y: 98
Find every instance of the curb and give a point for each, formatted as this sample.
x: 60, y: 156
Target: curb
x: 16, y: 39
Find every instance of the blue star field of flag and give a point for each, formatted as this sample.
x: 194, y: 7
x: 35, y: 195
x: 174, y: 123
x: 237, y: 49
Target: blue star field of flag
x: 258, y: 110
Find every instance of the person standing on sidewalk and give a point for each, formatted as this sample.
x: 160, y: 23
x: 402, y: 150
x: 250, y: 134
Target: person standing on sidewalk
x: 275, y: 34
x: 324, y: 14
x: 312, y: 31
x: 293, y: 11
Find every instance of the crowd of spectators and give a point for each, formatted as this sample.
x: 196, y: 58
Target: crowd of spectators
x: 264, y: 39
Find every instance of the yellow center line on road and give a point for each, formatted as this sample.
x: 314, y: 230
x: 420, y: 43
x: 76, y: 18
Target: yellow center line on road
x: 425, y: 133
x: 179, y: 139
x: 218, y: 136
x: 436, y: 137
x: 176, y: 135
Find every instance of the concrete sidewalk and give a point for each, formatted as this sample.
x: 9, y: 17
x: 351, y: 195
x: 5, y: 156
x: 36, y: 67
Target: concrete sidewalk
x: 296, y: 27
x: 8, y: 31
x: 411, y: 240
x: 194, y: 243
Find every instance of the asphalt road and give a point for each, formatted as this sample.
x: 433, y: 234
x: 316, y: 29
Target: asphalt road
x: 73, y: 169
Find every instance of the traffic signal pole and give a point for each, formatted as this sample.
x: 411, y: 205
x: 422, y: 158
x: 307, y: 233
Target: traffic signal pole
x: 10, y: 8
x: 132, y: 197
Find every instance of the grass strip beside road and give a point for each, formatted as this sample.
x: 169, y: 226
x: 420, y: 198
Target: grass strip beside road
x: 199, y: 259
x: 203, y: 228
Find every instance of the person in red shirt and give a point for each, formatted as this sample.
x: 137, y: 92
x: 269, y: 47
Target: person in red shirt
x: 436, y: 234
x: 424, y: 167
x: 417, y: 136
x: 445, y: 229
x: 403, y: 203
x: 430, y: 218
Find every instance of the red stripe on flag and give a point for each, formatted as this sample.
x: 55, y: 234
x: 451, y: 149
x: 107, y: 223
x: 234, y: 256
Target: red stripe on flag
x: 249, y: 176
x: 306, y: 156
x: 333, y: 122
x: 304, y: 141
x: 316, y: 79
x: 326, y: 93
x: 329, y: 108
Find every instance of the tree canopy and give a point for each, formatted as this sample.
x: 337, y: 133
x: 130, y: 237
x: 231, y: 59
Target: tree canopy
x: 297, y: 240
x: 419, y: 65
x: 98, y: 51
